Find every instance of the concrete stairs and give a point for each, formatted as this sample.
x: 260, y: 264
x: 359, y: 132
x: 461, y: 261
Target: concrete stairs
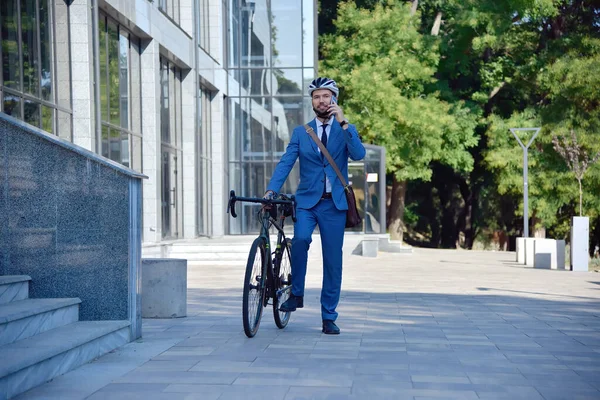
x: 233, y: 250
x: 225, y: 251
x: 43, y: 338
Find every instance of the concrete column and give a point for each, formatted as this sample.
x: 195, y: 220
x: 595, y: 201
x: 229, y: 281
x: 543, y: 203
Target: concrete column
x: 219, y: 177
x: 82, y: 65
x: 189, y: 115
x: 151, y: 142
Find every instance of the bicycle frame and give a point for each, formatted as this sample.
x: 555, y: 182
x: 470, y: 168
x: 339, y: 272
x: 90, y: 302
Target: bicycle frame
x: 267, y: 221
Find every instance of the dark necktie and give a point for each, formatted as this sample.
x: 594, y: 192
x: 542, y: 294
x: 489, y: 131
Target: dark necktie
x: 324, y: 136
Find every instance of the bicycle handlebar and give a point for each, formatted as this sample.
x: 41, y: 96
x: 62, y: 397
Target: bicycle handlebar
x: 285, y: 200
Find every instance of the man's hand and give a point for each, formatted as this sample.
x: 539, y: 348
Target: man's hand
x: 337, y: 110
x: 269, y: 195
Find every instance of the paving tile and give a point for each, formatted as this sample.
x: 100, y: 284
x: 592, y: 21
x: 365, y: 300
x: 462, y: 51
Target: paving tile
x: 430, y: 325
x: 317, y: 393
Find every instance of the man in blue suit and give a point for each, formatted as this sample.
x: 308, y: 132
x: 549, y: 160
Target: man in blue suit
x: 320, y: 197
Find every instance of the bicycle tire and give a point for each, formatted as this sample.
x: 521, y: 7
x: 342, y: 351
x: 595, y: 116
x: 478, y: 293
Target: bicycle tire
x: 254, y: 287
x: 283, y: 277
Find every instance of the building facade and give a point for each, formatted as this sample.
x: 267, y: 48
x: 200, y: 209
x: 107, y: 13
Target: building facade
x: 199, y: 95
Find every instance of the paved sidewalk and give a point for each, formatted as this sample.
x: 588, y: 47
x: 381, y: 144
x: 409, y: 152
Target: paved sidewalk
x: 435, y: 324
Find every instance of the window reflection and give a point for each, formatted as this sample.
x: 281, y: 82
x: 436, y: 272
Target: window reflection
x: 11, y: 76
x: 204, y: 169
x: 32, y: 59
x: 29, y: 48
x: 171, y: 191
x: 265, y: 58
x: 287, y: 32
x: 120, y: 93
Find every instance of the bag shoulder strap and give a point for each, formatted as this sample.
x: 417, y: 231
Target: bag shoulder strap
x: 314, y: 137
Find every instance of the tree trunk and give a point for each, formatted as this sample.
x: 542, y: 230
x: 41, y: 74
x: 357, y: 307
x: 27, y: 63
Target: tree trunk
x: 580, y: 198
x: 539, y: 231
x: 413, y: 9
x: 437, y: 24
x: 396, y: 211
x: 466, y: 216
x: 449, y: 233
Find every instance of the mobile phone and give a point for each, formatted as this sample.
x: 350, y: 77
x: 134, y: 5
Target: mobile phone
x: 333, y: 99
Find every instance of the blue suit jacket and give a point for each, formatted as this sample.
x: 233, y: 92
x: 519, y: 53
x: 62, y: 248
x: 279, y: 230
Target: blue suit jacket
x: 341, y: 144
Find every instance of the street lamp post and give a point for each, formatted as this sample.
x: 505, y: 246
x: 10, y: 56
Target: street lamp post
x: 525, y: 174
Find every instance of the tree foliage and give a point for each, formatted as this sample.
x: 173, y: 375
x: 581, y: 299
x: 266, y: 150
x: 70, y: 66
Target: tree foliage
x: 443, y: 103
x: 387, y: 70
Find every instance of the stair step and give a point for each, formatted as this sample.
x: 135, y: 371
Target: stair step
x: 25, y: 318
x: 35, y: 360
x: 14, y: 288
x: 212, y: 256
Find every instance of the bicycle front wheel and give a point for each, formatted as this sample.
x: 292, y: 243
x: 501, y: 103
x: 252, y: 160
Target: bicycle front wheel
x: 283, y: 280
x: 254, y: 287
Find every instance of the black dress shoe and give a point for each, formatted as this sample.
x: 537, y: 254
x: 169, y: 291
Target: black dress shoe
x: 292, y: 303
x: 330, y: 328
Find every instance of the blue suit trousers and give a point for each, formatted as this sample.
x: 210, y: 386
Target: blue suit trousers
x: 331, y: 222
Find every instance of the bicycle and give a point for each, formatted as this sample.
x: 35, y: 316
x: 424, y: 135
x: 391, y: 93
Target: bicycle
x: 267, y: 277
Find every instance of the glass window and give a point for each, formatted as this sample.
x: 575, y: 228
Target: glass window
x: 11, y: 62
x: 170, y: 8
x: 268, y: 72
x: 286, y: 31
x: 288, y: 81
x: 120, y: 94
x: 308, y: 34
x: 204, y: 25
x: 112, y: 37
x: 171, y: 114
x: 29, y: 47
x: 204, y: 163
x: 103, y: 55
x: 233, y: 39
x: 34, y: 38
x: 124, y: 80
x: 255, y: 39
x: 45, y: 52
x: 164, y: 102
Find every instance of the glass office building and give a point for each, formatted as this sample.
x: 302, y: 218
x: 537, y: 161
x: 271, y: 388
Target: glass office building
x: 271, y: 60
x: 199, y: 95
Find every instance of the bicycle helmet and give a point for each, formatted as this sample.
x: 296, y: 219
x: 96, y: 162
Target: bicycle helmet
x: 323, y: 83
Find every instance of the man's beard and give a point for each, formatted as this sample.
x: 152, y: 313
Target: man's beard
x: 320, y: 114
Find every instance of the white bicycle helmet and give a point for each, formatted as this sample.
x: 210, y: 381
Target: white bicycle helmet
x: 323, y: 83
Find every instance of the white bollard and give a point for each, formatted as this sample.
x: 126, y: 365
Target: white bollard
x: 521, y: 250
x: 529, y: 251
x: 544, y: 254
x: 560, y: 255
x: 580, y: 237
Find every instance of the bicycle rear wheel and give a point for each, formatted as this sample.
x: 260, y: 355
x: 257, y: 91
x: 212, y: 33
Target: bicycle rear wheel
x: 254, y: 287
x: 283, y: 279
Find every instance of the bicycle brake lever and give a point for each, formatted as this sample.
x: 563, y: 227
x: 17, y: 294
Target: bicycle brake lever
x: 231, y: 204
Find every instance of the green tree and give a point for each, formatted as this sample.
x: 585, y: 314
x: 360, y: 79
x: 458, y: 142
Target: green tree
x: 386, y: 69
x: 525, y: 63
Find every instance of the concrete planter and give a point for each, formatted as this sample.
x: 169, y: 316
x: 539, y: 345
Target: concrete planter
x: 549, y: 254
x: 580, y: 240
x: 164, y: 288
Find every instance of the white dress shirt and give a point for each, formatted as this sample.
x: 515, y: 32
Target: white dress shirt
x: 320, y: 132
